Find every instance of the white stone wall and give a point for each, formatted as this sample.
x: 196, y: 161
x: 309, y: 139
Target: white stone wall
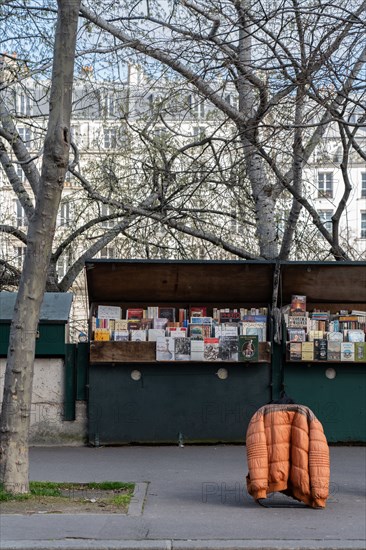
x: 47, y: 424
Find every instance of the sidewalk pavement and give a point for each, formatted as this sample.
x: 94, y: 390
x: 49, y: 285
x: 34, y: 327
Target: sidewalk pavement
x: 191, y: 497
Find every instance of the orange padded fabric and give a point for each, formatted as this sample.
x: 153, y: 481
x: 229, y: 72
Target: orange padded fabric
x: 287, y: 451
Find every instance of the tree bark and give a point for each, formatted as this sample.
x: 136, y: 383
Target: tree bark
x: 15, y: 419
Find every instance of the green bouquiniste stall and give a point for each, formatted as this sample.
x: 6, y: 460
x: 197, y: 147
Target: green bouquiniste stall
x: 135, y: 399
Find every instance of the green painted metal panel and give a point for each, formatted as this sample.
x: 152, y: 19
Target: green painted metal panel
x: 51, y: 340
x: 174, y: 401
x: 82, y: 365
x: 70, y: 382
x: 339, y: 403
x: 277, y: 370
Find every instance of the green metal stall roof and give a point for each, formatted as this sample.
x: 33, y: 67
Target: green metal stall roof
x: 55, y: 306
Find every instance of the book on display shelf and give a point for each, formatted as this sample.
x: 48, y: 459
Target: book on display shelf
x: 197, y: 350
x: 360, y: 352
x: 295, y: 349
x: 228, y: 348
x: 248, y: 347
x: 211, y: 349
x: 334, y: 350
x: 165, y: 348
x: 347, y: 351
x: 182, y: 348
x: 135, y: 313
x: 320, y: 349
x: 298, y: 305
x: 138, y: 336
x: 198, y: 311
x: 167, y: 313
x: 355, y: 335
x: 109, y: 312
x: 120, y: 335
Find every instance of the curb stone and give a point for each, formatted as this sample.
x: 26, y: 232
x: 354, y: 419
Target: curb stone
x: 138, y: 500
x: 74, y: 544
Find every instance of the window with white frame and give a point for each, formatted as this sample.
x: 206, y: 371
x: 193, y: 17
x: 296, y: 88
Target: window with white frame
x: 109, y: 105
x: 150, y: 100
x: 106, y: 211
x: 363, y: 225
x: 24, y: 106
x: 68, y: 179
x: 325, y: 184
x: 64, y: 213
x: 63, y: 264
x: 107, y: 252
x: 75, y: 134
x: 363, y: 185
x: 196, y: 105
x: 232, y: 100
x: 326, y: 218
x: 160, y: 132
x: 109, y: 138
x: 198, y: 132
x: 22, y: 220
x: 19, y: 172
x: 19, y: 253
x: 25, y: 134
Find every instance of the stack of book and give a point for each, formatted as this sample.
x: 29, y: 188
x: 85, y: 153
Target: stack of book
x: 322, y: 336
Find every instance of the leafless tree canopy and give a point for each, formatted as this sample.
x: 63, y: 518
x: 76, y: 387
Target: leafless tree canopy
x: 209, y: 116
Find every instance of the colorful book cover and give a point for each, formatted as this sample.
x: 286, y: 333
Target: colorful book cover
x: 198, y: 332
x: 198, y: 311
x: 295, y: 351
x: 360, y: 352
x: 135, y: 313
x: 248, y: 347
x: 211, y: 349
x: 134, y: 324
x: 298, y: 305
x: 296, y: 335
x: 295, y: 321
x: 102, y: 334
x: 347, y: 351
x: 201, y: 320
x: 229, y: 316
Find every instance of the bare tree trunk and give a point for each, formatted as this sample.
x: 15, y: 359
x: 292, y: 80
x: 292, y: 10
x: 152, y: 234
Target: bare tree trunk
x: 265, y: 203
x: 16, y: 406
